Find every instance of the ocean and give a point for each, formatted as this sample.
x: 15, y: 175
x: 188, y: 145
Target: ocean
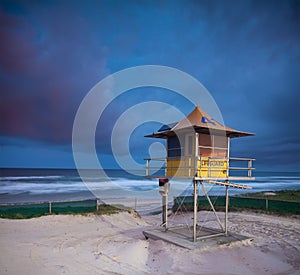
x: 33, y: 185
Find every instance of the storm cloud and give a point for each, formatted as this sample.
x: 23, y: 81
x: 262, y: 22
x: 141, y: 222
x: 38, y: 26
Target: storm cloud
x: 246, y: 53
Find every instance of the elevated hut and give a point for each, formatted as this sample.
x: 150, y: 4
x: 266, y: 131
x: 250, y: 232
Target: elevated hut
x: 198, y: 148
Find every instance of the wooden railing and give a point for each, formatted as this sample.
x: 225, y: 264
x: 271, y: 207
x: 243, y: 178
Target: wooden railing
x: 149, y: 168
x: 248, y: 168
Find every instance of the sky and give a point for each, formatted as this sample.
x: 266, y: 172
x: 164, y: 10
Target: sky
x: 246, y: 54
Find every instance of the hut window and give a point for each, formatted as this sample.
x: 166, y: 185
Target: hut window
x: 213, y: 145
x: 220, y: 146
x: 190, y: 145
x: 174, y: 149
x: 205, y: 145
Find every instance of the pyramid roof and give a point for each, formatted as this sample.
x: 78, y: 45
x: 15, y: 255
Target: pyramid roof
x: 201, y: 122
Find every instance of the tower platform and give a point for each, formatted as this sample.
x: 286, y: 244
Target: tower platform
x: 206, y: 237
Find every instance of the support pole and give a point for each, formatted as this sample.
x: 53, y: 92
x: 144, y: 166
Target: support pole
x: 195, y: 210
x: 164, y: 187
x: 165, y: 211
x: 226, y: 212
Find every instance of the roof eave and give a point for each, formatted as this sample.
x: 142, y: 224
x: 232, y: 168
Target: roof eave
x: 203, y: 130
x: 234, y: 134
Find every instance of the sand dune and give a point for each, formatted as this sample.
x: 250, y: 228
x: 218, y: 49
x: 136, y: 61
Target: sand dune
x: 74, y: 244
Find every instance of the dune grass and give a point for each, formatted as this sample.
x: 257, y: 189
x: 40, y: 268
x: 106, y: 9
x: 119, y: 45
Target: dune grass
x: 284, y: 195
x: 27, y: 211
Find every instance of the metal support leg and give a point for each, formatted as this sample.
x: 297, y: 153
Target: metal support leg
x: 165, y: 211
x: 195, y: 210
x: 226, y: 212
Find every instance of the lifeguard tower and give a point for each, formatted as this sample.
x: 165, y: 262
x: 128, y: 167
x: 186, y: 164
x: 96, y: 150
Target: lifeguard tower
x: 198, y: 148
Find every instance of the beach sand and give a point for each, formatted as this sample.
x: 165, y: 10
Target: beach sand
x: 114, y: 244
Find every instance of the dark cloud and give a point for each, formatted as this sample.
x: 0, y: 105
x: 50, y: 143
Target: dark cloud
x: 46, y: 70
x: 245, y: 52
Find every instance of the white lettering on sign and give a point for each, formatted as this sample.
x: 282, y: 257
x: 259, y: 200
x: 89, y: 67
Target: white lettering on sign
x: 213, y: 163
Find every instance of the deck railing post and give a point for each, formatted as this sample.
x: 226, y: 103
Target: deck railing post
x: 195, y: 172
x: 50, y: 207
x: 147, y: 167
x: 249, y: 167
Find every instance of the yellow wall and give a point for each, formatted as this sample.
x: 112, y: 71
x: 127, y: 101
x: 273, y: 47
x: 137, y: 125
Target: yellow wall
x: 213, y: 168
x: 180, y: 168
